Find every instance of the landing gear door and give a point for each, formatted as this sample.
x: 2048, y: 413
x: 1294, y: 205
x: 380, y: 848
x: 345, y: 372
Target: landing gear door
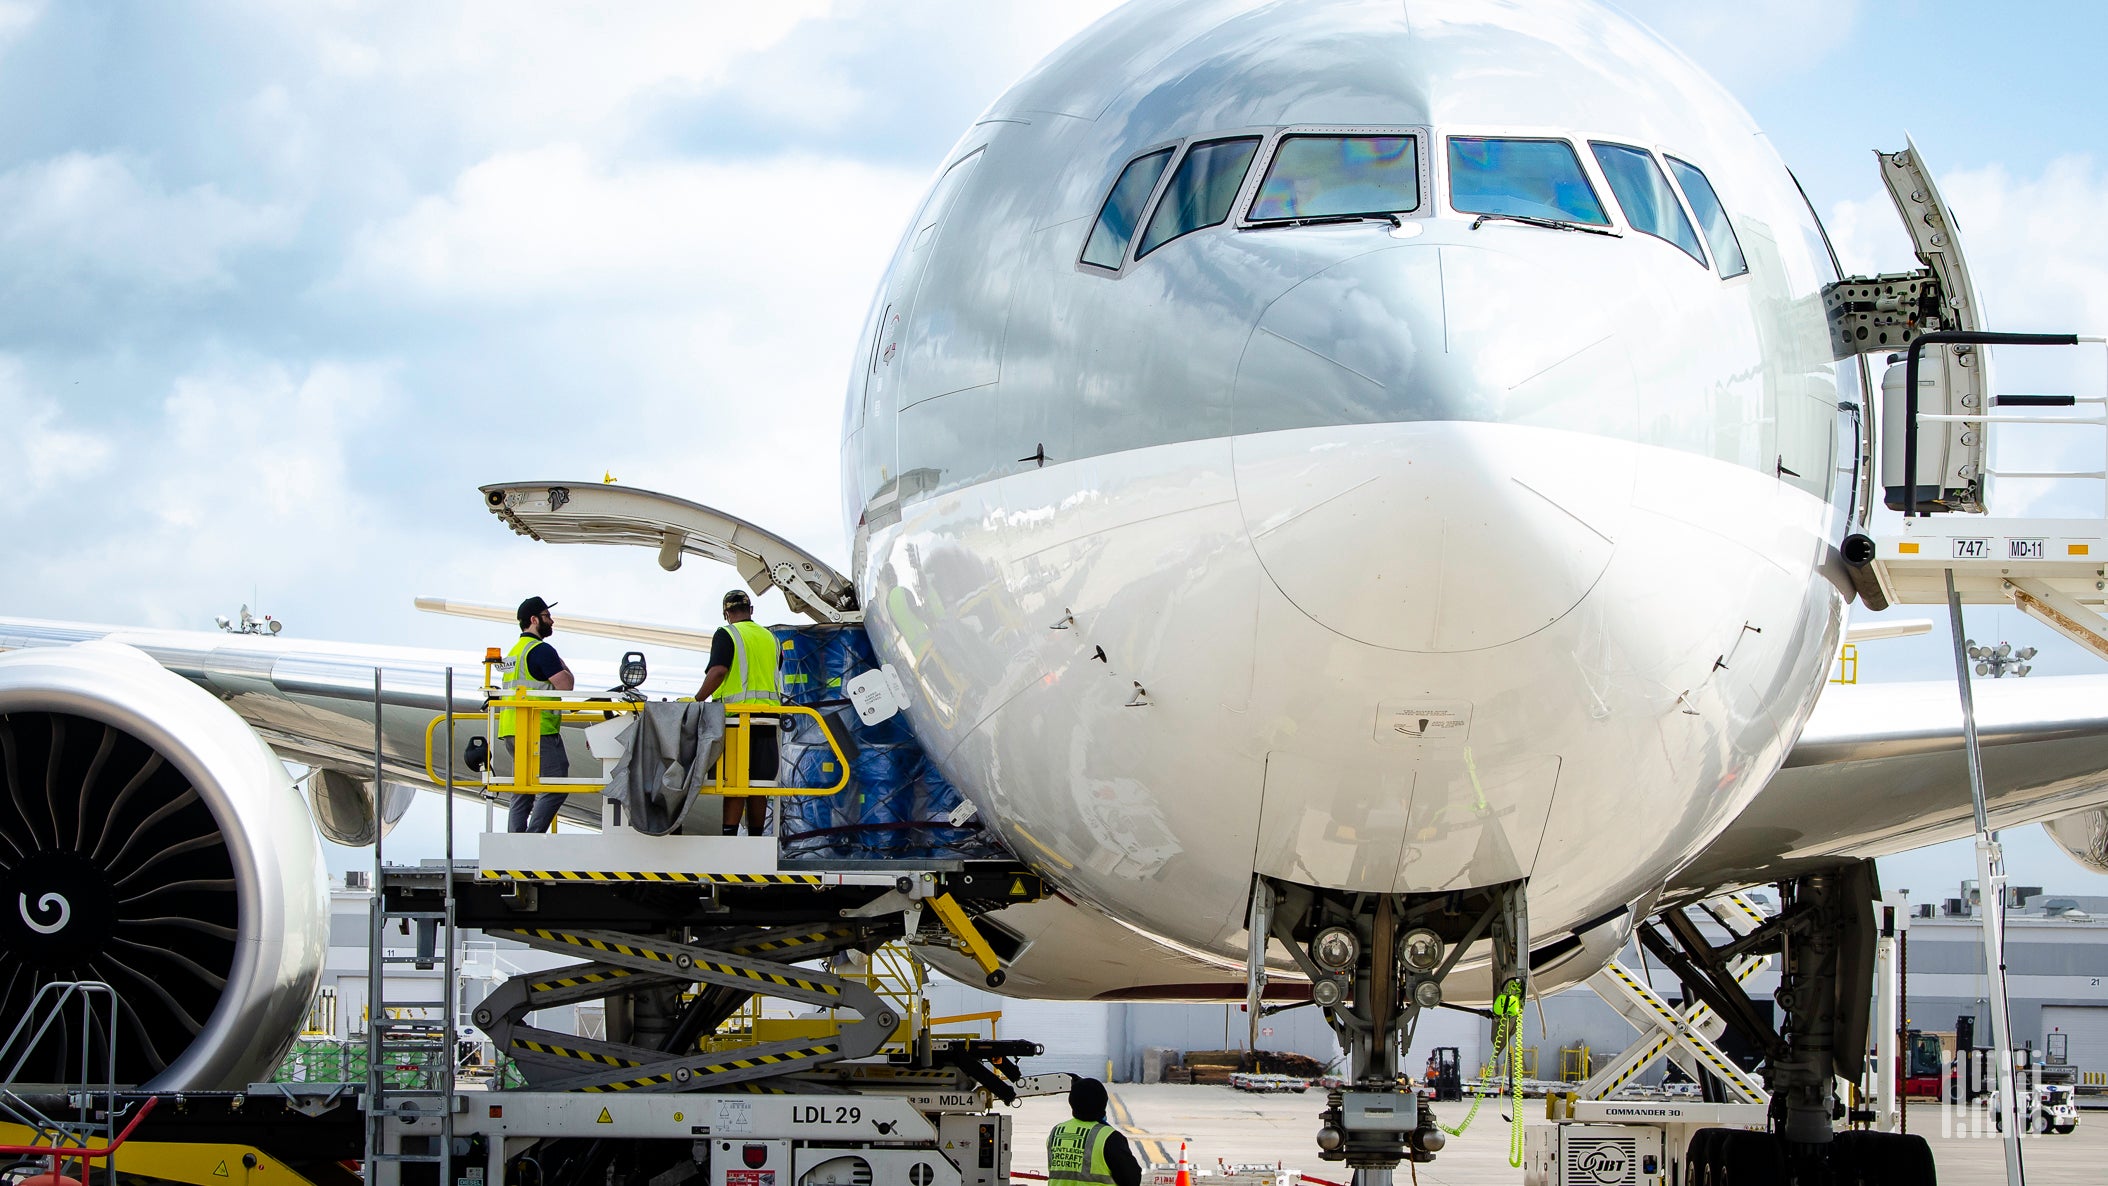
x: 592, y: 512
x: 1951, y: 457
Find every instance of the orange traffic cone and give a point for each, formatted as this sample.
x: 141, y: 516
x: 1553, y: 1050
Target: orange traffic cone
x: 1185, y: 1172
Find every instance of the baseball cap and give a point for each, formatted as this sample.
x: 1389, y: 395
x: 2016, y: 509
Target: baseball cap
x: 534, y: 606
x: 737, y: 597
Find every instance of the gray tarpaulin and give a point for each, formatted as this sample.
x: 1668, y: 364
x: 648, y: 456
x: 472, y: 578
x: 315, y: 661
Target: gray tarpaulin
x: 669, y: 754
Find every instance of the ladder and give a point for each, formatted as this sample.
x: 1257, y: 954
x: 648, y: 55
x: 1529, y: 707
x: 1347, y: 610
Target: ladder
x: 400, y: 1033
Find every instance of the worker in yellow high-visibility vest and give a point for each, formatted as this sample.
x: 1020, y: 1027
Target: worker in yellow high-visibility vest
x: 743, y: 671
x: 534, y: 666
x: 1085, y: 1150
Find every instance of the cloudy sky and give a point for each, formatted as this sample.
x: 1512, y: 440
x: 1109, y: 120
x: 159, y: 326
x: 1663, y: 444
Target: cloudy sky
x: 281, y: 285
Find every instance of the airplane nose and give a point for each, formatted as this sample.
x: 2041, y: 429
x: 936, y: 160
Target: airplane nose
x: 1456, y: 500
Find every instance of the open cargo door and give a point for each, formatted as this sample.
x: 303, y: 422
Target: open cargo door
x: 596, y: 513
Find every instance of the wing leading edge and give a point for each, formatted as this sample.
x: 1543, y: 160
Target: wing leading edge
x: 1881, y: 769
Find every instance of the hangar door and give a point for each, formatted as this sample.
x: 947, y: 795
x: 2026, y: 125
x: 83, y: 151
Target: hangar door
x: 2084, y: 1030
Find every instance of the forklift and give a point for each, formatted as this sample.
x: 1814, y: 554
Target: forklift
x: 1445, y: 1074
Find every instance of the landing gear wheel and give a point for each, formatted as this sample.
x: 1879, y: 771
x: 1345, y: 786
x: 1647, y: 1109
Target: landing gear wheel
x: 1699, y: 1158
x: 1748, y: 1159
x: 1855, y: 1158
x: 1906, y: 1160
x: 1881, y: 1159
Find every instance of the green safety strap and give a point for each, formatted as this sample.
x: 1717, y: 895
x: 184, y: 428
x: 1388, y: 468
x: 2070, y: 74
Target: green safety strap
x: 1507, y: 1032
x: 1507, y: 1019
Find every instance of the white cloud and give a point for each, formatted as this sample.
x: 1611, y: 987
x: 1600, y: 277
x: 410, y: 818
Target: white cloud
x: 80, y: 215
x: 814, y: 78
x: 551, y: 224
x: 501, y: 73
x: 242, y: 480
x: 17, y: 16
x: 38, y: 448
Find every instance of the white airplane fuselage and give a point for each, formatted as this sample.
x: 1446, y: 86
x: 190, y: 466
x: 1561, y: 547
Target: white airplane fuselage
x: 1367, y: 558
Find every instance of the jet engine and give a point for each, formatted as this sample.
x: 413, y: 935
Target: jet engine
x: 2083, y: 835
x: 151, y: 841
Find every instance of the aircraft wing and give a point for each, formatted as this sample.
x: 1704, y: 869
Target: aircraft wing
x: 1880, y: 769
x: 313, y: 702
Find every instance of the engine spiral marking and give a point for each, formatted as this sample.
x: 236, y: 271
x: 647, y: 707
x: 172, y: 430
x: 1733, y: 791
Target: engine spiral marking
x: 44, y: 903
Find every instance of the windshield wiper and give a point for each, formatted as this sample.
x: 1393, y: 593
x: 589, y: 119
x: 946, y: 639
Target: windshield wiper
x: 1554, y: 224
x: 1329, y: 219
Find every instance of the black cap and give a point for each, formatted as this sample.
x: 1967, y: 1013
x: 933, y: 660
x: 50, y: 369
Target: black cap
x: 738, y: 598
x: 532, y: 608
x: 1087, y: 1099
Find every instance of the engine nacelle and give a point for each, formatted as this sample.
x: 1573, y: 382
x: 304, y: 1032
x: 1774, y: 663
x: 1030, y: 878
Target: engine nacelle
x: 2083, y: 835
x: 150, y: 840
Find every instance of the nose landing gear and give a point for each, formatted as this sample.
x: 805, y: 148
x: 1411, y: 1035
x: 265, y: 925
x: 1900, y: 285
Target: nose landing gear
x: 1376, y: 962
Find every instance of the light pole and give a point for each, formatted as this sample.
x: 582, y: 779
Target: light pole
x: 1997, y: 661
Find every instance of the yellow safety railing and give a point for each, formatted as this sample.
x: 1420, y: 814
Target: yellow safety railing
x: 730, y: 775
x: 1847, y: 668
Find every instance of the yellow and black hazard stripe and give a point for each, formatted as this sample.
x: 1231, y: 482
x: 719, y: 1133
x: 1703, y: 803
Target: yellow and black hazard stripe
x: 785, y: 942
x: 587, y: 941
x: 594, y: 977
x: 776, y: 978
x: 906, y: 1075
x: 554, y: 1051
x: 806, y: 1054
x: 613, y: 875
x: 1697, y: 1018
x: 636, y: 951
x: 1727, y: 1071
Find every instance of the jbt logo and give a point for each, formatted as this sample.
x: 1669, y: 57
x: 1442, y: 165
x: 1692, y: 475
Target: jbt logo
x: 1604, y: 1163
x: 50, y: 915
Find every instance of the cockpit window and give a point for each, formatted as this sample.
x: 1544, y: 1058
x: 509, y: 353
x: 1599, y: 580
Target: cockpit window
x: 1650, y: 205
x: 1530, y: 178
x: 1201, y: 191
x: 1330, y: 176
x: 1727, y: 250
x: 1107, y: 246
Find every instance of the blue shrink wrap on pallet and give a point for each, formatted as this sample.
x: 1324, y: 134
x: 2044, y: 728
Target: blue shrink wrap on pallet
x: 896, y: 805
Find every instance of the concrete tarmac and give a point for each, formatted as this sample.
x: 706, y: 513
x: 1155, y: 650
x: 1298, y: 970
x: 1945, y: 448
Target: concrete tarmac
x: 1222, y: 1125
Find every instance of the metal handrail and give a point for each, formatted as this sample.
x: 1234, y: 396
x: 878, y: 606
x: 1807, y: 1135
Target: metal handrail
x: 65, y: 991
x: 61, y: 1154
x: 1955, y: 337
x: 730, y: 772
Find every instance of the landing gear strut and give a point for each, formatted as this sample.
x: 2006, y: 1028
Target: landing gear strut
x: 1376, y: 962
x: 1824, y: 933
